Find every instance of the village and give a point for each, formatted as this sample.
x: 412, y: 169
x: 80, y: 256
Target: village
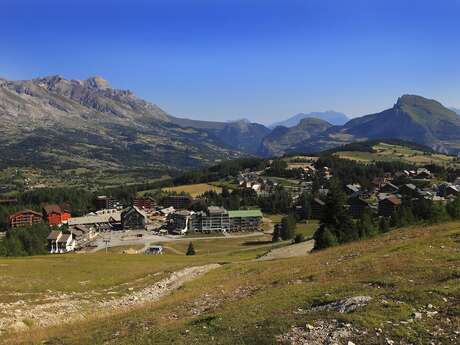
x: 175, y: 216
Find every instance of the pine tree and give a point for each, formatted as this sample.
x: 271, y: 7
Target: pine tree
x: 324, y: 238
x: 384, y: 225
x: 190, y: 249
x: 453, y: 208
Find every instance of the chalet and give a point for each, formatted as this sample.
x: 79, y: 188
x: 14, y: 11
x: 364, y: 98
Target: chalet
x: 179, y: 202
x: 59, y: 243
x: 358, y: 206
x: 146, y: 203
x: 389, y: 205
x: 377, y: 182
x: 24, y: 218
x: 317, y: 206
x: 101, y: 220
x: 56, y: 215
x: 423, y: 173
x: 82, y: 233
x: 133, y: 218
x: 388, y: 187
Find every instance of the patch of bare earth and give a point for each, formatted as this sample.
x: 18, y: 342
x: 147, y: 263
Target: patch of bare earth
x: 64, y: 308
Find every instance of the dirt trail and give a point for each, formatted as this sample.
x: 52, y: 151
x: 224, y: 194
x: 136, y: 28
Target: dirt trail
x: 298, y: 249
x: 63, y: 308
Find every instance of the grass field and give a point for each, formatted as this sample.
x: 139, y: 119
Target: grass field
x: 194, y: 189
x: 307, y: 229
x: 416, y: 269
x: 391, y: 152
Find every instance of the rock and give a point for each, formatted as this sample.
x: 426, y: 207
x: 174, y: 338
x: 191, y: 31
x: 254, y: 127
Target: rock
x: 350, y: 343
x: 417, y: 315
x: 346, y: 305
x: 309, y: 327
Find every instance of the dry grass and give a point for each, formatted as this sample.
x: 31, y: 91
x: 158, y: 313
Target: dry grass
x: 252, y: 302
x: 194, y: 189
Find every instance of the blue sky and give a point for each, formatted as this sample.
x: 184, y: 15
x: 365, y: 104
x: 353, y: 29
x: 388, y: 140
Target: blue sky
x: 259, y: 59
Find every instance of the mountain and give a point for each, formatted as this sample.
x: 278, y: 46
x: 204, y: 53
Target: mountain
x: 283, y: 139
x: 455, y: 110
x: 332, y: 117
x: 55, y: 122
x: 412, y: 118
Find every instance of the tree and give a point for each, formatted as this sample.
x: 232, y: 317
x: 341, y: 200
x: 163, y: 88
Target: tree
x: 324, y: 238
x: 276, y: 233
x: 384, y: 225
x: 299, y: 238
x: 190, y: 249
x: 453, y: 208
x: 288, y: 225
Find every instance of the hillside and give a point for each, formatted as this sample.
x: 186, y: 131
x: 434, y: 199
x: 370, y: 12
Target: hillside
x: 55, y: 124
x: 333, y: 117
x: 412, y: 118
x: 283, y: 139
x: 397, y: 288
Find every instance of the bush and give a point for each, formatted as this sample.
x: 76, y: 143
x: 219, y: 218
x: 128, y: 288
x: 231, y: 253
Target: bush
x: 299, y: 238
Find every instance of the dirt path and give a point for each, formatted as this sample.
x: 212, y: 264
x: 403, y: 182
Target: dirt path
x: 298, y: 249
x: 65, y: 308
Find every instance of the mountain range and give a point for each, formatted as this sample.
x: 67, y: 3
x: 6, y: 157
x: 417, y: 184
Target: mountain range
x: 65, y: 124
x: 333, y: 117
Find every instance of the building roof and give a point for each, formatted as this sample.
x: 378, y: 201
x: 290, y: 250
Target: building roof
x: 54, y: 208
x: 95, y: 219
x: 215, y: 209
x: 24, y: 211
x: 393, y: 199
x: 319, y: 201
x: 64, y: 238
x: 244, y: 213
x: 54, y: 235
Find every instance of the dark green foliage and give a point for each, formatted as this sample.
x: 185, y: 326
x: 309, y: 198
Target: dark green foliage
x: 367, y: 227
x: 276, y: 234
x: 384, y: 224
x: 305, y: 204
x: 453, y: 208
x: 25, y: 241
x: 288, y: 225
x: 324, y: 237
x: 299, y: 238
x: 190, y: 249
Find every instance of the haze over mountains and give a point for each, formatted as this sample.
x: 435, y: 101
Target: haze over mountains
x: 71, y: 123
x: 333, y: 117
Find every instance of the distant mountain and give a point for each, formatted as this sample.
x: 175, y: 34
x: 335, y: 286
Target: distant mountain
x: 412, y: 118
x: 332, y: 117
x: 283, y: 139
x: 455, y: 110
x: 60, y: 123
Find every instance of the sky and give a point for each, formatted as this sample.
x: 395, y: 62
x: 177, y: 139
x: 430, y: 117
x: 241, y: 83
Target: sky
x: 263, y: 60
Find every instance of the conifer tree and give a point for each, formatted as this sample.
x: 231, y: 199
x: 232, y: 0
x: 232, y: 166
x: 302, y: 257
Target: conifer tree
x: 190, y: 249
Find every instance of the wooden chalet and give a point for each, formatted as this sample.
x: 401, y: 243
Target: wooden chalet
x: 24, y: 218
x: 56, y: 215
x: 389, y: 205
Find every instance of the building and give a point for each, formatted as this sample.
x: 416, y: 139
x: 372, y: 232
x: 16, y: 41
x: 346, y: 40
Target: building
x: 82, y: 234
x: 104, y: 202
x: 389, y: 205
x: 317, y: 206
x: 56, y: 215
x: 133, y: 218
x: 358, y: 206
x: 59, y: 243
x: 179, y: 202
x: 215, y: 219
x: 146, y: 203
x: 24, y: 218
x: 154, y: 250
x: 245, y: 220
x: 102, y: 220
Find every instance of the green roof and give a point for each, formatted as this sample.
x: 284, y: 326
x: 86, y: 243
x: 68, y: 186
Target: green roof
x: 244, y: 213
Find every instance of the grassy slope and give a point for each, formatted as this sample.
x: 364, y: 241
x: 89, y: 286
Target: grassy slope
x: 389, y: 152
x: 252, y: 302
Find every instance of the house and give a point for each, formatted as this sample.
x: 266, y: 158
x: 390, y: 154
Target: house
x: 317, y: 206
x: 24, y: 218
x: 144, y: 203
x: 179, y: 202
x: 377, y: 182
x: 56, y: 215
x: 59, y: 243
x: 388, y: 187
x: 82, y: 233
x: 423, y: 173
x: 358, y: 206
x: 179, y: 221
x: 389, y: 205
x: 133, y: 218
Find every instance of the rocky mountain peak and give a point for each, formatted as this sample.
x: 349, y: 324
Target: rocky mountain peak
x: 97, y: 82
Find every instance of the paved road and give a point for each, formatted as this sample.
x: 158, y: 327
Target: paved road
x: 131, y: 237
